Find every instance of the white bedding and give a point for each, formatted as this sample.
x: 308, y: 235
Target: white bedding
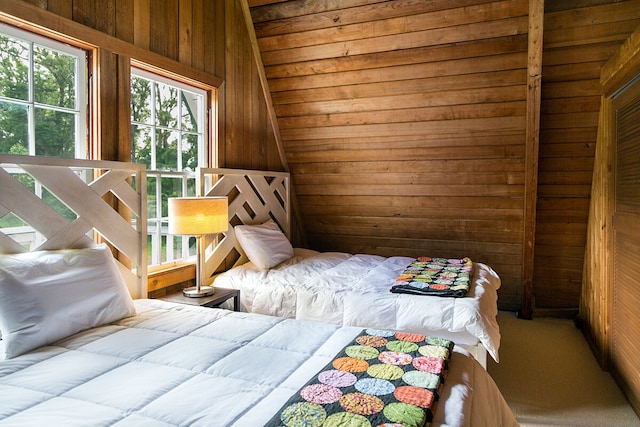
x: 354, y: 290
x: 178, y: 365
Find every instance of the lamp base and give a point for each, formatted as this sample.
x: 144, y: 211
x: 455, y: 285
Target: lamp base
x: 194, y: 292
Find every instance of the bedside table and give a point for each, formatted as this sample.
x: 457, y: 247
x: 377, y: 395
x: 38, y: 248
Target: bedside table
x: 219, y: 296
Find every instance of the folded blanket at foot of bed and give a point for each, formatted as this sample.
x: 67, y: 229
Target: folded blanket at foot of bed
x: 435, y: 276
x: 381, y: 377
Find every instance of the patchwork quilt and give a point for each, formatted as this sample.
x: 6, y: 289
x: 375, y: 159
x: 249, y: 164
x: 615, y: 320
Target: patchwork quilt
x: 380, y: 378
x: 435, y: 276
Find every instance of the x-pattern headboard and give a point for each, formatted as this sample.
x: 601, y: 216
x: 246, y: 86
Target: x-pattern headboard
x: 254, y: 197
x: 89, y: 198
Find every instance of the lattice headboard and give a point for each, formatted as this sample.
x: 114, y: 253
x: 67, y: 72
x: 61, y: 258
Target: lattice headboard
x: 254, y: 197
x: 53, y: 203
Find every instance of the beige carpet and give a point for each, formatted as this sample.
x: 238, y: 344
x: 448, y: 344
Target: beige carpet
x: 549, y: 376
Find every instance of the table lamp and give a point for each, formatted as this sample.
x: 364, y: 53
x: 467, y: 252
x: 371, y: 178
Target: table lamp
x: 197, y: 216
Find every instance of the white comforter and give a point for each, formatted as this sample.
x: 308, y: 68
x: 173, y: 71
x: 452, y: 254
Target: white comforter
x: 177, y: 365
x: 354, y: 290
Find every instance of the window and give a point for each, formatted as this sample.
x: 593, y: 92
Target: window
x: 43, y: 96
x: 169, y: 135
x: 43, y: 111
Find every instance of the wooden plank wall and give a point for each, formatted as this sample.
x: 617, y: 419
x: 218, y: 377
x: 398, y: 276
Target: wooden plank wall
x: 609, y: 298
x: 579, y: 37
x: 625, y: 318
x: 208, y: 36
x: 404, y: 125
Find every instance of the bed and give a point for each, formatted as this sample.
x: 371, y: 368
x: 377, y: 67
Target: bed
x: 81, y: 351
x: 340, y: 288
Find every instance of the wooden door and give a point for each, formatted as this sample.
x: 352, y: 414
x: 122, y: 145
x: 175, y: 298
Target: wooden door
x: 625, y: 334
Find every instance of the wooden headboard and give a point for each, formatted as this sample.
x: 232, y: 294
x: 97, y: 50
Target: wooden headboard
x: 83, y: 201
x: 254, y: 197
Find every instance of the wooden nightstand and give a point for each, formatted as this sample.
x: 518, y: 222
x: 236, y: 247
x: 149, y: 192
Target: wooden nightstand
x: 220, y: 295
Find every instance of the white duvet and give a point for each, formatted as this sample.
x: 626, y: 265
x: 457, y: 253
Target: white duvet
x: 354, y: 290
x: 178, y: 365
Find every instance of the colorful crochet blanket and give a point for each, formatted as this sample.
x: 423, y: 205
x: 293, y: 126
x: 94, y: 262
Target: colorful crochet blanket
x: 435, y: 276
x: 381, y: 378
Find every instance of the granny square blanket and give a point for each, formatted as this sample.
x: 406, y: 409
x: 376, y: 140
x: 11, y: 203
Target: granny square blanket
x: 435, y: 276
x: 380, y: 378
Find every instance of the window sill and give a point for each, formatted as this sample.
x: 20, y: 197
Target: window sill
x: 160, y: 280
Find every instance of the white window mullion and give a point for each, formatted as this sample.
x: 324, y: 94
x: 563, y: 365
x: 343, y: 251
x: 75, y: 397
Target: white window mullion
x: 81, y: 106
x: 153, y: 127
x: 179, y: 145
x: 31, y: 113
x: 159, y: 216
x: 185, y: 239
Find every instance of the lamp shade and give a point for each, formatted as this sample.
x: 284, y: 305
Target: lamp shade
x: 198, y: 215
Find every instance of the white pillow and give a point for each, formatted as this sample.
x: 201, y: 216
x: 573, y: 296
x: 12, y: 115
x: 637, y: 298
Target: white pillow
x: 265, y: 245
x: 49, y: 295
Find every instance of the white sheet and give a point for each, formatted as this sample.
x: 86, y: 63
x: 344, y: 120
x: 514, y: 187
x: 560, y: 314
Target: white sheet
x: 354, y: 290
x: 190, y: 366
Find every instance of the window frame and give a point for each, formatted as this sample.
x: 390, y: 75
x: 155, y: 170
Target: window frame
x: 207, y: 155
x: 81, y: 108
x: 203, y: 152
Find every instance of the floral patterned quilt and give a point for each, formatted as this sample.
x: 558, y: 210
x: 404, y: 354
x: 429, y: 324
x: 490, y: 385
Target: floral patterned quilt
x: 435, y: 276
x: 382, y: 378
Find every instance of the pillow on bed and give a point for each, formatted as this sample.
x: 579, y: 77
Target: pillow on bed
x: 48, y: 295
x: 265, y: 244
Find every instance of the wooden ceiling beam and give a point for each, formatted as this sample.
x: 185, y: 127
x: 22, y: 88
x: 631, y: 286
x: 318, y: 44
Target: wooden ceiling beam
x: 273, y: 118
x: 534, y: 96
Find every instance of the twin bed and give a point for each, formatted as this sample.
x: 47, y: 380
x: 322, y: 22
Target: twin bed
x: 97, y: 353
x: 339, y: 288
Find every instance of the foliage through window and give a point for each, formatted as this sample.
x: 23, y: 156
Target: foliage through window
x: 169, y: 134
x: 43, y: 96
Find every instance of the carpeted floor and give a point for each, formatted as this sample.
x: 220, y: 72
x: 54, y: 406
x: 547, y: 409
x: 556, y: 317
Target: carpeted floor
x: 549, y: 376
